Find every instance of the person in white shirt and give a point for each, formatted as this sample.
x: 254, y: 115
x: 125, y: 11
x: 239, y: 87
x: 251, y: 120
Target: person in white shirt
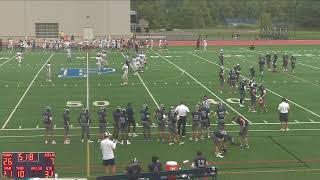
x: 69, y: 53
x: 125, y: 69
x: 205, y: 45
x: 182, y: 112
x: 10, y: 45
x: 99, y: 62
x: 19, y: 58
x: 151, y: 43
x: 49, y: 71
x: 107, y: 147
x: 284, y: 114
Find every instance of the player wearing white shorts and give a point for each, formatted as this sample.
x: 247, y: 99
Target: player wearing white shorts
x: 104, y: 58
x: 69, y: 53
x: 44, y: 45
x: 99, y: 62
x: 49, y: 71
x: 125, y: 69
x: 19, y: 58
x: 143, y: 61
x: 160, y: 44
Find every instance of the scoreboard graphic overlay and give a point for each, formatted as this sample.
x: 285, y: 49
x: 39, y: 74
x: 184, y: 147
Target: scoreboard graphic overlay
x: 28, y: 164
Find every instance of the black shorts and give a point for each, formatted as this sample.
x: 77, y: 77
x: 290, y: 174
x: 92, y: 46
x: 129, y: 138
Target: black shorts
x: 283, y: 117
x: 109, y: 162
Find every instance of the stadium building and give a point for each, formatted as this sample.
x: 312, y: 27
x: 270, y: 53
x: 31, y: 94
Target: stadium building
x: 48, y: 18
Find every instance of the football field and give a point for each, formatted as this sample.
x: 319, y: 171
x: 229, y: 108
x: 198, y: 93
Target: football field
x: 179, y: 74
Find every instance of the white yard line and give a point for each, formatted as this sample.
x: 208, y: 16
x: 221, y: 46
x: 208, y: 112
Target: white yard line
x: 24, y: 94
x: 202, y: 86
x: 7, y: 60
x: 147, y: 89
x: 266, y: 88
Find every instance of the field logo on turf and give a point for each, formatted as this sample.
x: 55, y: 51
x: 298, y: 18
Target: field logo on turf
x: 77, y: 72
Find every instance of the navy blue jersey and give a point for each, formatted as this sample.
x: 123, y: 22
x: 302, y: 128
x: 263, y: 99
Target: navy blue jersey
x: 238, y: 121
x: 221, y: 112
x: 219, y: 135
x: 261, y: 61
x: 155, y: 167
x: 130, y: 112
x: 242, y: 86
x: 172, y: 117
x: 66, y: 118
x: 204, y: 113
x: 84, y: 117
x: 252, y: 71
x: 221, y: 75
x: 196, y: 116
x: 160, y: 115
x: 102, y: 116
x: 123, y: 119
x: 144, y: 115
x: 200, y: 162
x: 293, y: 60
x: 47, y: 117
x: 133, y: 169
x: 268, y: 57
x: 232, y: 75
x: 116, y: 115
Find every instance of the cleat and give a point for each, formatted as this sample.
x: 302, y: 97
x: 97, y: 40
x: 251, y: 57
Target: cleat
x: 158, y: 140
x: 171, y: 144
x: 99, y: 140
x: 134, y: 135
x: 246, y: 146
x: 209, y: 136
x: 219, y: 155
x: 46, y: 142
x: 121, y: 142
x: 287, y: 129
x: 89, y: 141
x: 190, y: 139
x: 66, y: 142
x: 82, y: 140
x: 281, y: 129
x: 53, y: 142
x: 181, y: 143
x: 196, y: 140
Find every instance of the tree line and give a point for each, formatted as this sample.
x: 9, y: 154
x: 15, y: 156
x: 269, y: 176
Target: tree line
x: 211, y: 13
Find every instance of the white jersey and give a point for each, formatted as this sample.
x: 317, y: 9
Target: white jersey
x: 67, y: 44
x: 125, y: 68
x: 160, y: 43
x: 49, y: 69
x: 69, y: 52
x: 205, y: 42
x: 19, y: 56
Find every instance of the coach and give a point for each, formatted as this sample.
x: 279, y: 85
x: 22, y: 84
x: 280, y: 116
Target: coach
x: 283, y: 114
x: 107, y: 146
x: 182, y: 112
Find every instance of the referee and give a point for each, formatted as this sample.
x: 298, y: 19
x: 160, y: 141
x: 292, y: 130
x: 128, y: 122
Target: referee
x: 283, y: 114
x: 182, y: 112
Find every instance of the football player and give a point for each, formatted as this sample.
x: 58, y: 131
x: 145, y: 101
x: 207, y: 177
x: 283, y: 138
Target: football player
x: 198, y: 45
x: 293, y: 61
x: 146, y: 123
x: 274, y: 62
x: 221, y: 58
x: 99, y: 62
x: 66, y: 125
x: 262, y: 102
x: 116, y: 118
x: 218, y: 139
x: 125, y: 69
x: 285, y: 61
x: 221, y: 79
x: 205, y: 121
x: 102, y: 122
x: 123, y: 124
x: 48, y: 124
x: 237, y: 69
x: 131, y: 121
x: 221, y: 112
x: 173, y: 133
x: 261, y: 63
x: 160, y: 45
x: 205, y: 44
x: 252, y: 73
x: 199, y: 161
x: 165, y: 47
x: 242, y: 90
x: 196, y: 117
x: 104, y: 60
x: 268, y: 59
x: 84, y: 121
x: 10, y: 44
x: 69, y: 53
x: 19, y: 58
x: 244, y: 126
x: 253, y: 98
x: 232, y: 80
x: 160, y: 116
x: 49, y: 71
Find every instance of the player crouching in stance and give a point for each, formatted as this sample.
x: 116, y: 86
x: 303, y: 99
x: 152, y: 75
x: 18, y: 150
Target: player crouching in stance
x: 49, y: 71
x: 244, y: 126
x: 125, y: 69
x: 145, y: 119
x: 196, y: 117
x: 102, y: 123
x: 160, y: 116
x: 173, y: 133
x: 48, y: 124
x: 218, y: 139
x: 123, y: 124
x: 84, y: 121
x: 66, y: 126
x: 19, y: 58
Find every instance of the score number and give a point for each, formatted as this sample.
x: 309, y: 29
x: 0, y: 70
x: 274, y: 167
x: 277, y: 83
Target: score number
x: 79, y: 103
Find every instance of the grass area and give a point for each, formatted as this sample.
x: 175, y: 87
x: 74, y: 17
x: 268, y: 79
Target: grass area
x: 272, y: 154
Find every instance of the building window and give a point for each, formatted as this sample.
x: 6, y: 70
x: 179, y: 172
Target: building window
x: 47, y: 30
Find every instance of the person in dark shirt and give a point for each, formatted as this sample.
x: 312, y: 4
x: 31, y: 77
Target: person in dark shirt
x: 285, y: 61
x: 102, y: 122
x: 196, y: 118
x: 172, y: 126
x: 221, y: 79
x: 205, y: 122
x: 146, y: 123
x: 131, y: 120
x: 232, y: 80
x: 218, y: 139
x: 252, y: 73
x: 155, y: 167
x: 123, y: 124
x: 198, y: 45
x: 293, y: 61
x: 160, y: 116
x: 66, y: 125
x: 84, y: 121
x: 221, y: 112
x: 116, y: 117
x: 133, y: 169
x: 253, y: 97
x: 274, y: 62
x: 48, y: 124
x: 200, y: 161
x: 242, y: 90
x: 261, y: 63
x: 268, y: 58
x: 244, y: 126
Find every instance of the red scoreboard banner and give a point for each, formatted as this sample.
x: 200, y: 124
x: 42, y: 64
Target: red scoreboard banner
x: 28, y: 164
